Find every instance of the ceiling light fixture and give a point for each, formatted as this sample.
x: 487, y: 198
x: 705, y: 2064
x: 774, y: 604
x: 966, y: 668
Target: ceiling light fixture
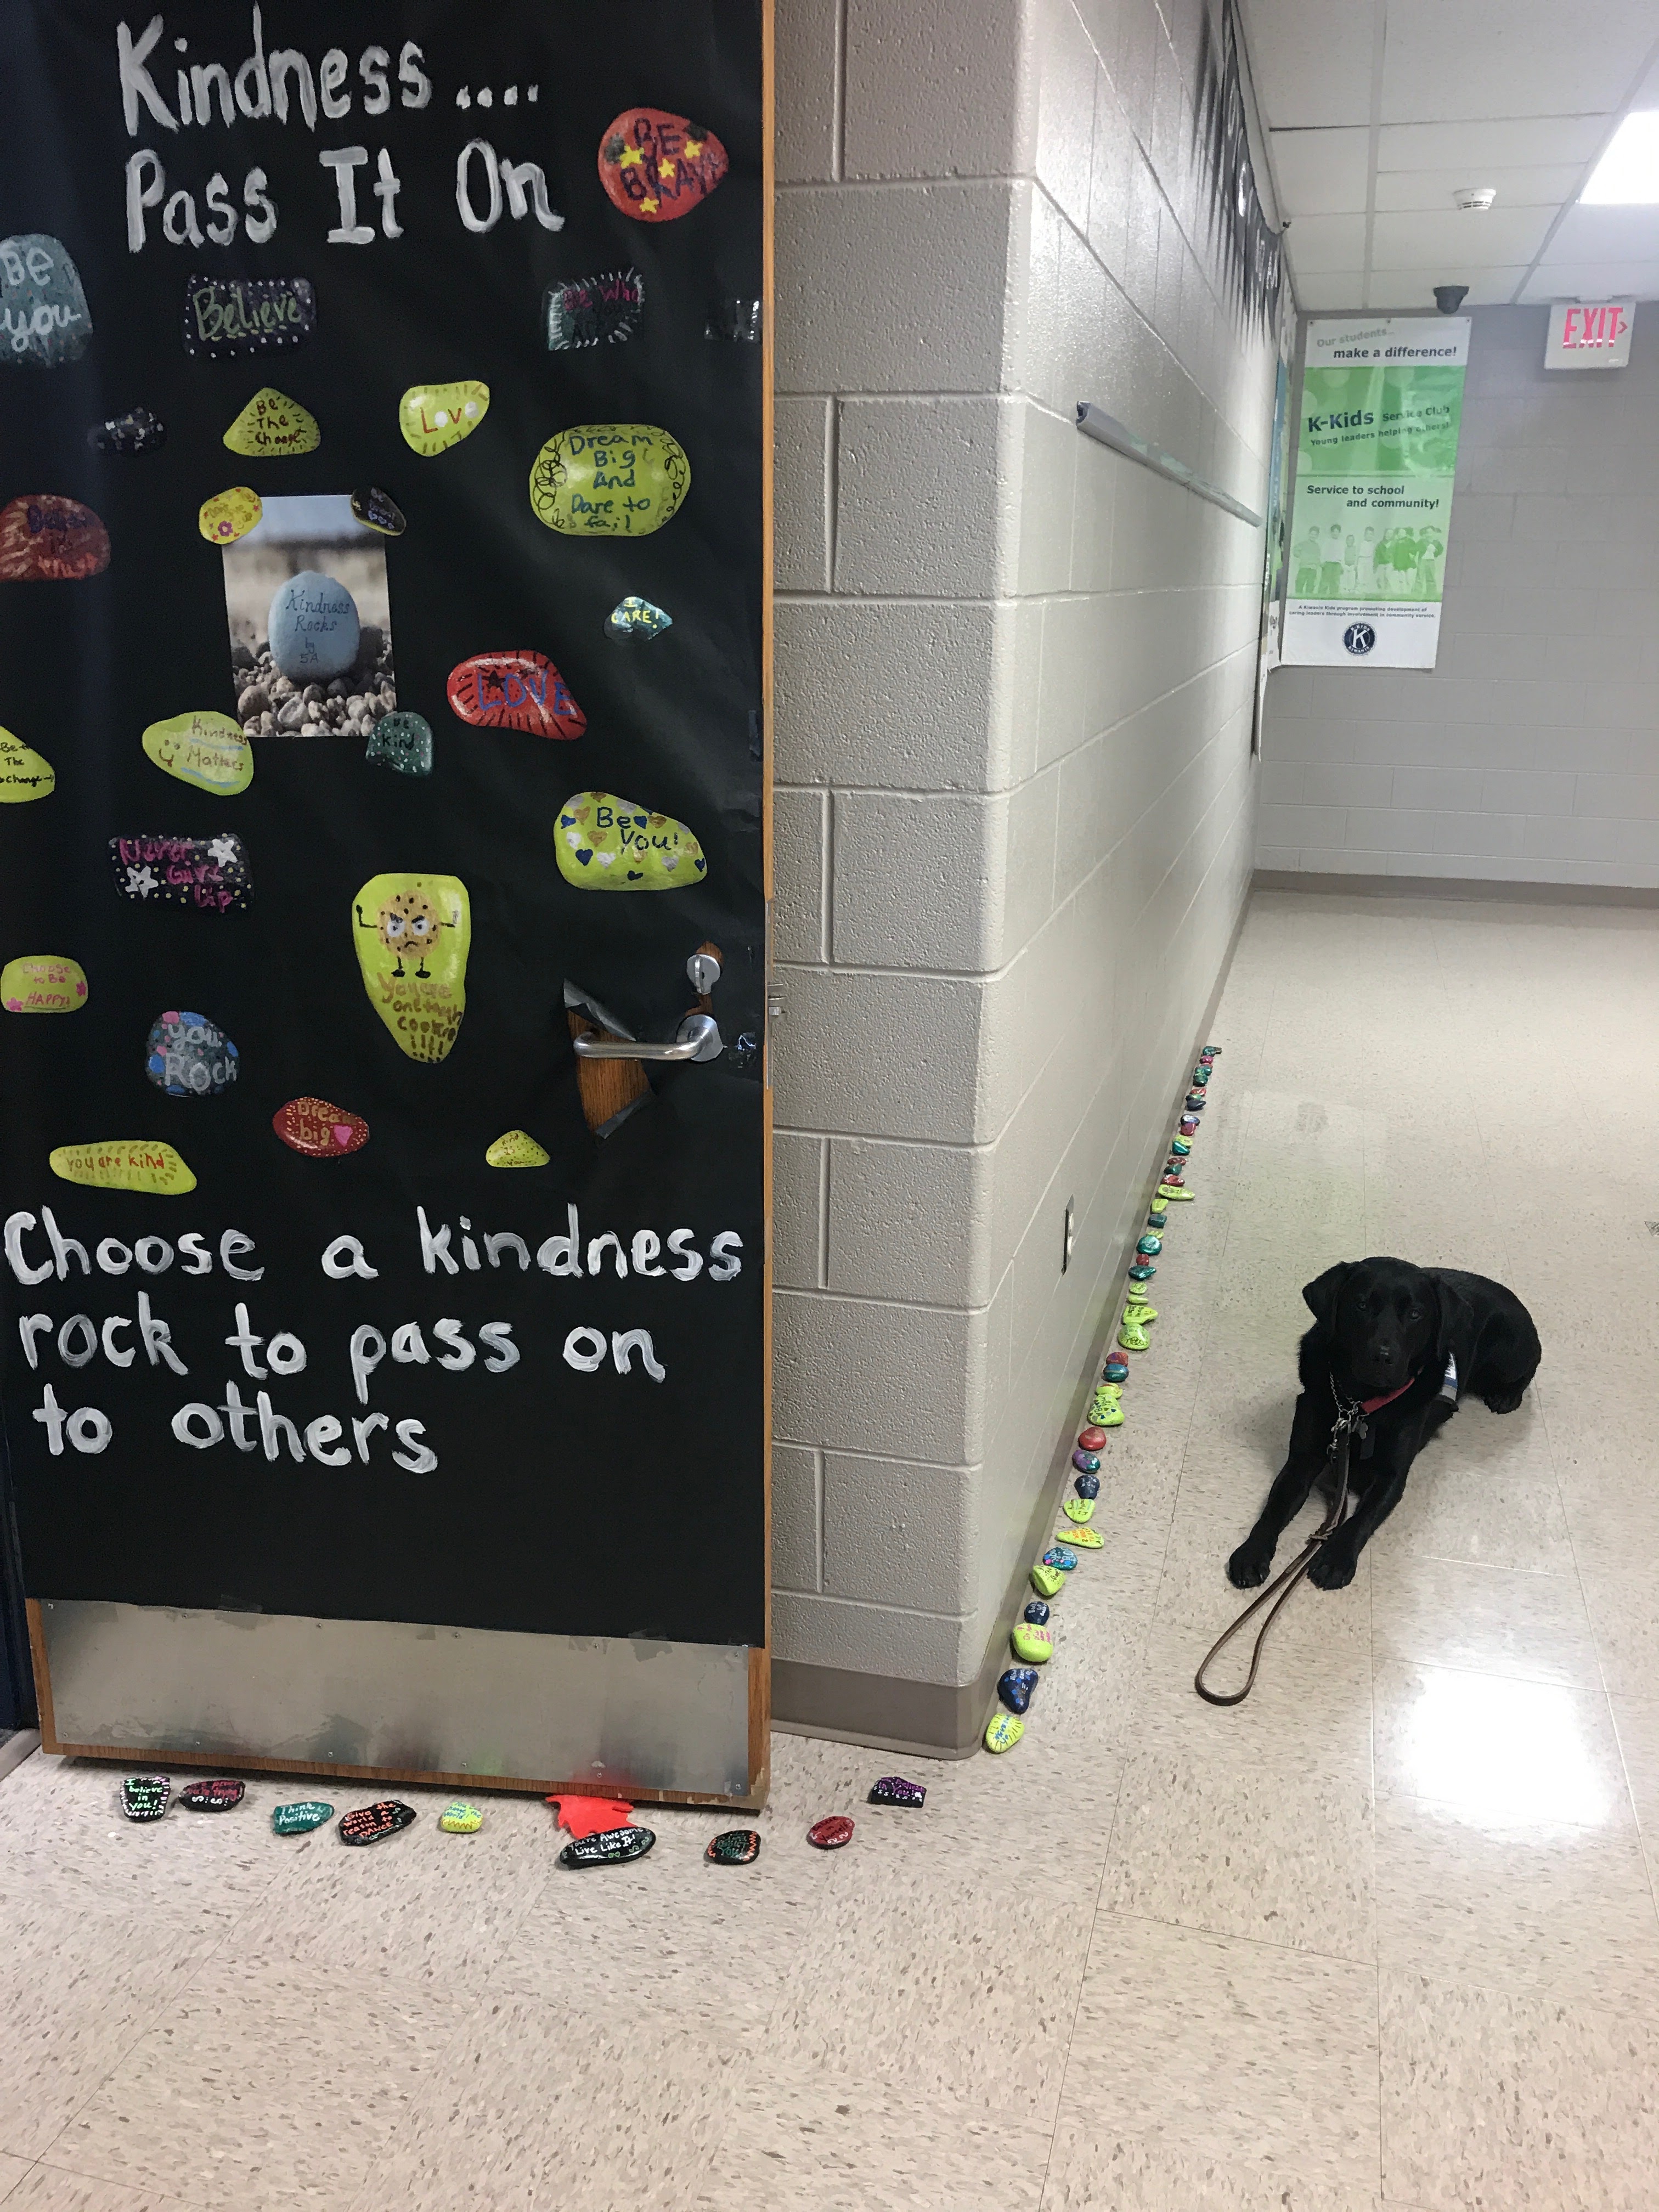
x: 1476, y: 200
x: 1627, y: 174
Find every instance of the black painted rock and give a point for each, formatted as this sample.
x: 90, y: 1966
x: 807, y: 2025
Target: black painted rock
x: 144, y: 1797
x: 188, y: 1057
x: 227, y: 316
x: 591, y: 311
x: 735, y: 1847
x: 367, y: 1824
x: 44, y: 316
x: 377, y: 510
x: 737, y: 321
x: 137, y: 431
x: 1015, y: 1687
x: 207, y: 874
x: 894, y: 1789
x: 211, y: 1797
x: 610, y: 1847
x: 1037, y: 1614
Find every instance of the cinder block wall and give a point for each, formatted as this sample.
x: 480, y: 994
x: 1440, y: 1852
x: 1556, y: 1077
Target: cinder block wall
x: 1527, y: 754
x: 1014, y: 789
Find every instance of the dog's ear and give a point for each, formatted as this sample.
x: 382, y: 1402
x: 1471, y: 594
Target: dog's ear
x: 1322, y: 1293
x: 1454, y: 1337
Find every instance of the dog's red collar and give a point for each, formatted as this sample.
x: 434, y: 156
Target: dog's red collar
x: 1376, y: 1404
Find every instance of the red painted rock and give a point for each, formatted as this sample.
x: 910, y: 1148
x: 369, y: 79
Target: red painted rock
x: 1092, y: 1439
x: 515, y: 691
x: 45, y: 539
x: 656, y: 166
x: 319, y: 1130
x: 832, y: 1834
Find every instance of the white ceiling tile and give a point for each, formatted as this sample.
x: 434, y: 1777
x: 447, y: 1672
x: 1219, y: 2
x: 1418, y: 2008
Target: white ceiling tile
x: 1400, y: 191
x: 1450, y: 58
x: 1315, y: 295
x: 1312, y: 64
x: 1405, y: 287
x: 1508, y: 144
x: 1596, y: 280
x: 1321, y: 172
x: 1318, y: 244
x: 1606, y: 233
x: 1453, y: 243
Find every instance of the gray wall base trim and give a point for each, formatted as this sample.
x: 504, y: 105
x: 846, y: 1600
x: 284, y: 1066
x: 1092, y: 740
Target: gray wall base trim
x: 931, y: 1719
x: 1455, y: 887
x: 16, y: 1747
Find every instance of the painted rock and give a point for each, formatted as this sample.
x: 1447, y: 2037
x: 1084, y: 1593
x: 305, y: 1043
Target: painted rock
x: 591, y: 311
x: 521, y: 691
x: 1091, y: 1439
x: 45, y: 539
x: 1211, y: 1052
x: 367, y: 1824
x: 734, y: 322
x: 1116, y: 1370
x: 273, y: 428
x: 592, y: 1816
x: 1189, y: 1125
x: 135, y: 432
x: 1060, y: 1558
x: 1047, y: 1581
x: 231, y: 316
x: 635, y: 617
x: 1175, y: 1190
x: 657, y: 166
x: 1086, y: 1540
x: 833, y: 1835
x: 459, y: 1819
x: 735, y: 1847
x: 299, y: 1819
x: 1002, y: 1732
x: 1087, y: 1462
x: 207, y: 873
x: 44, y: 316
x: 517, y: 1149
x: 603, y: 843
x: 1077, y: 1510
x: 614, y: 1847
x: 1036, y: 1612
x: 206, y: 749
x: 1150, y: 1244
x: 144, y: 1797
x: 1132, y: 1337
x: 433, y: 418
x: 319, y: 1130
x: 1087, y: 1487
x: 230, y: 514
x: 313, y: 628
x: 1112, y: 1417
x: 609, y: 480
x: 43, y: 983
x: 1196, y: 1102
x: 24, y: 773
x: 401, y: 741
x: 1102, y: 1403
x: 1179, y: 1148
x: 894, y: 1790
x: 413, y: 934
x: 219, y: 1796
x: 1201, y: 1076
x: 1142, y: 1272
x: 1035, y: 1646
x: 1015, y: 1685
x: 188, y: 1057
x: 377, y: 510
x: 138, y: 1163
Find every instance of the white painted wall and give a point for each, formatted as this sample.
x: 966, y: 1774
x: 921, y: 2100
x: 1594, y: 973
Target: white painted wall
x: 1014, y: 801
x: 1530, y: 753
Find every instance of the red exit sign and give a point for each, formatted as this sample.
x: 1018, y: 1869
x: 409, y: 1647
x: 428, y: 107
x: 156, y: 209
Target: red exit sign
x: 1589, y: 334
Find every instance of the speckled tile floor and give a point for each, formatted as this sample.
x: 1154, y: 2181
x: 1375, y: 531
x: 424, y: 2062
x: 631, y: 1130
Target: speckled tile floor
x: 1385, y: 1936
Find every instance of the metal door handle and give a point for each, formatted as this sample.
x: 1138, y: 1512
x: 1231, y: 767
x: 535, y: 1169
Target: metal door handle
x: 698, y: 1037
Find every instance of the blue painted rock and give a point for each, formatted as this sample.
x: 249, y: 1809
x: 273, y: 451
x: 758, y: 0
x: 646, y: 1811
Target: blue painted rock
x: 47, y: 539
x: 1149, y: 1244
x: 300, y: 1819
x: 370, y: 1824
x: 401, y: 741
x: 1002, y: 1732
x: 1015, y: 1687
x: 1087, y: 1462
x: 144, y: 1797
x: 135, y: 432
x: 212, y: 1796
x: 1060, y: 1558
x: 313, y: 628
x: 517, y: 690
x: 894, y: 1790
x: 1036, y: 1614
x: 188, y: 1057
x: 377, y: 510
x: 1142, y: 1272
x: 231, y: 316
x: 591, y: 311
x: 735, y: 1847
x: 207, y: 873
x: 1116, y: 1370
x: 610, y: 1847
x: 1194, y: 1101
x: 44, y: 316
x: 833, y: 1835
x: 1087, y: 1486
x: 635, y: 617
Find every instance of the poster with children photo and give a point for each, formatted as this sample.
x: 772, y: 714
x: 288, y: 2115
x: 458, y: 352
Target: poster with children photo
x: 310, y: 622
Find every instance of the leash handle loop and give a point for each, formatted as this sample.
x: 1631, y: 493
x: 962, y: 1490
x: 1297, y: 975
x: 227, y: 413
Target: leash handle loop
x: 1280, y: 1588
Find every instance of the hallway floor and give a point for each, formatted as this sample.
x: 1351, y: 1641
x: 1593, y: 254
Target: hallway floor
x: 1384, y: 1937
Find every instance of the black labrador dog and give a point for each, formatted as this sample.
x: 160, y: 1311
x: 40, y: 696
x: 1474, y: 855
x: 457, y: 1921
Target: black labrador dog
x: 1400, y: 1342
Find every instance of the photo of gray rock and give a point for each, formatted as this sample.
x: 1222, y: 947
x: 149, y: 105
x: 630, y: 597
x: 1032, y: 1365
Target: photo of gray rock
x: 310, y: 620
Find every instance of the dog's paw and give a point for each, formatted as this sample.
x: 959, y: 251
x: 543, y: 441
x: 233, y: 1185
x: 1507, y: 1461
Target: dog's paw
x: 1334, y: 1568
x: 1248, y: 1567
x: 1505, y: 1402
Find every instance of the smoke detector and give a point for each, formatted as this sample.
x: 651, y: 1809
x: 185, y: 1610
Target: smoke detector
x: 1475, y: 200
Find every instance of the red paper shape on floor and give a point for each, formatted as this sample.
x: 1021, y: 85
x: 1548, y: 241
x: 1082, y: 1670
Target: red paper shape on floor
x: 592, y: 1816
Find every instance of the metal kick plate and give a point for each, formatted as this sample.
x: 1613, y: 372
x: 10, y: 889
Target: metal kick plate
x: 394, y: 1695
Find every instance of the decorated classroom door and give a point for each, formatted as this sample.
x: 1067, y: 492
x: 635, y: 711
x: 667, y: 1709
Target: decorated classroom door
x: 383, y: 878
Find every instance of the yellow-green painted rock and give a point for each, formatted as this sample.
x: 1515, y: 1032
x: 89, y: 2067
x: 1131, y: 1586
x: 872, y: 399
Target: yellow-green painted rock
x: 230, y: 514
x: 460, y: 1819
x: 1079, y: 1510
x: 24, y: 773
x: 272, y: 426
x: 433, y: 418
x: 605, y: 844
x: 1035, y: 1646
x: 413, y: 934
x: 1047, y: 1581
x: 1085, y: 1539
x: 609, y: 480
x: 43, y: 983
x: 517, y: 1149
x: 206, y: 749
x: 1003, y: 1731
x: 126, y: 1163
